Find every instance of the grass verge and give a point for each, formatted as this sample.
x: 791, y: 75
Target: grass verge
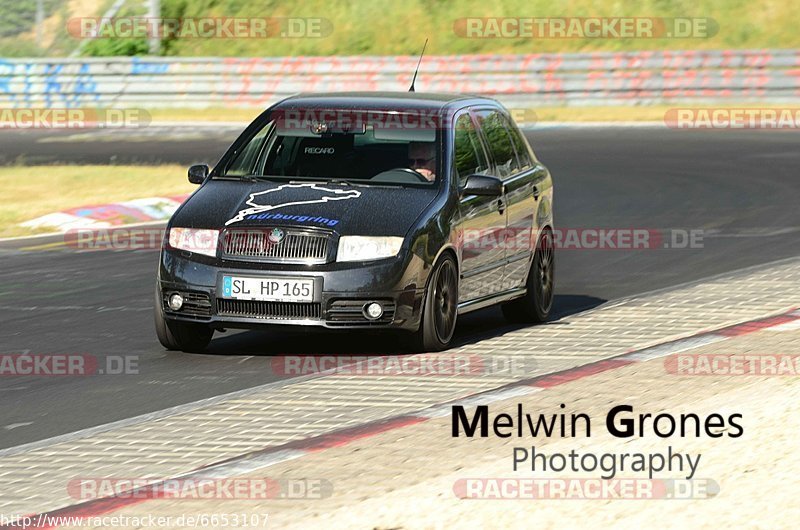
x: 27, y: 192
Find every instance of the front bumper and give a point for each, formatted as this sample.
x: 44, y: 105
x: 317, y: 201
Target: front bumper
x: 341, y: 291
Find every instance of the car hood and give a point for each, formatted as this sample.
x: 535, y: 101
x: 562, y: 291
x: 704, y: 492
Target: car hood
x: 348, y: 210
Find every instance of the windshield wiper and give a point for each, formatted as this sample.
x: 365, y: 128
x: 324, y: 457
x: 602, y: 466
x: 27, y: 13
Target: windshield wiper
x: 343, y: 182
x: 232, y: 177
x: 247, y: 178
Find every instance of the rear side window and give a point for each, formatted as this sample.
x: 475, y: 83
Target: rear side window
x: 520, y: 145
x: 498, y: 137
x: 468, y: 155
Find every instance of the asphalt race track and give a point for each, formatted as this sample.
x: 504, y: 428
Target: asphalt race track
x: 740, y: 188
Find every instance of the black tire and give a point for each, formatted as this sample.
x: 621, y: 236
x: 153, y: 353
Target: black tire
x: 535, y: 306
x: 184, y: 336
x: 440, y: 310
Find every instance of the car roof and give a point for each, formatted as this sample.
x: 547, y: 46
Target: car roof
x: 385, y: 101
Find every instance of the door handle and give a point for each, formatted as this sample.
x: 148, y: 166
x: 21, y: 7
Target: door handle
x: 535, y: 193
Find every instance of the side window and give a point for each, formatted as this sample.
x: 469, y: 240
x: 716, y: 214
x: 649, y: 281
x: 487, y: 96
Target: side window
x: 468, y: 157
x: 520, y: 145
x: 245, y: 161
x: 494, y: 129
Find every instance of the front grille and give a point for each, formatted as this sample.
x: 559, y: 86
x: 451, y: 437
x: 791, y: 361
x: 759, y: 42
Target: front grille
x: 295, y: 246
x: 344, y: 312
x: 269, y: 310
x: 195, y: 304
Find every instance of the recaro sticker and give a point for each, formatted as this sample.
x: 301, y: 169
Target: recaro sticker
x: 319, y: 150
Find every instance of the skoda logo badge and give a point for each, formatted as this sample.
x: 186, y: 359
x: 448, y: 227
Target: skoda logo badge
x: 276, y: 236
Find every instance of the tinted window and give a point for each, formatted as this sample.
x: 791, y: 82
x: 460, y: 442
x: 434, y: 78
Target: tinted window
x: 376, y: 151
x: 494, y: 129
x: 360, y: 157
x: 245, y: 161
x: 520, y: 145
x: 468, y: 155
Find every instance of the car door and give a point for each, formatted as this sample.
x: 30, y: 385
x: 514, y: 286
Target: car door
x: 482, y: 219
x: 515, y: 168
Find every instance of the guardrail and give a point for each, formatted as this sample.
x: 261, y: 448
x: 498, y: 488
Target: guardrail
x: 541, y: 79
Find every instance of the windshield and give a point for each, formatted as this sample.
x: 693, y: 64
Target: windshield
x: 368, y: 152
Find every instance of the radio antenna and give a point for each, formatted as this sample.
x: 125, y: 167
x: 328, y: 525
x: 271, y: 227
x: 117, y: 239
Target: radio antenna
x: 414, y: 79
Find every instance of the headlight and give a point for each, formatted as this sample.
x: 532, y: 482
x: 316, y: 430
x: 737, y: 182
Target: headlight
x: 363, y: 248
x: 197, y: 240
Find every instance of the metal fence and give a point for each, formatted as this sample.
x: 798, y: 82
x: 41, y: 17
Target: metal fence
x: 628, y: 78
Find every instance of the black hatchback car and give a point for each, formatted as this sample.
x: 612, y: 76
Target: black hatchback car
x: 361, y: 210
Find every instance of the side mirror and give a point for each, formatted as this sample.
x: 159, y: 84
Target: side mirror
x: 482, y: 185
x: 198, y: 173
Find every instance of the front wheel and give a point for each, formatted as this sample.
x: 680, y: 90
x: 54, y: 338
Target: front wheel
x: 440, y: 309
x: 535, y: 306
x: 190, y: 337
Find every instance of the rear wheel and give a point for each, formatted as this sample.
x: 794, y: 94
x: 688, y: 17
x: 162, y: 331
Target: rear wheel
x: 440, y: 310
x: 535, y: 306
x: 175, y: 335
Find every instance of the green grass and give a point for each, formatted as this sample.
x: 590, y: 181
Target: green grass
x: 381, y: 27
x: 17, y: 28
x: 18, y: 16
x: 387, y: 27
x: 27, y: 192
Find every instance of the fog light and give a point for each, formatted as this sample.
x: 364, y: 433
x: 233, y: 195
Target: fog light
x: 175, y: 302
x: 373, y: 311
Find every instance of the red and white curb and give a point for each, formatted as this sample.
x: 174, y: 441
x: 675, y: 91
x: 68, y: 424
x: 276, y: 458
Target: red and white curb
x: 116, y: 214
x: 270, y: 456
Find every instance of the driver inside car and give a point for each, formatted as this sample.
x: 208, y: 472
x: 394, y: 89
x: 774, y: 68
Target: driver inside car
x: 422, y: 159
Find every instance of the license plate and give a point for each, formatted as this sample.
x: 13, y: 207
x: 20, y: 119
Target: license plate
x: 268, y: 289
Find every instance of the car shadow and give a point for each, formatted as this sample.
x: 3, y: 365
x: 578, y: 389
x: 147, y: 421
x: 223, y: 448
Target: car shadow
x: 490, y: 322
x: 311, y: 340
